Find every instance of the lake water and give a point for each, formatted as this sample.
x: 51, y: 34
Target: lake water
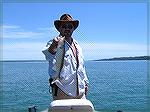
x: 114, y: 85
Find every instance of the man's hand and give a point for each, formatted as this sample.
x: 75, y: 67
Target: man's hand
x: 53, y: 46
x: 56, y: 40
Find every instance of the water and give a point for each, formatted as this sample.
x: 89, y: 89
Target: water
x: 114, y: 85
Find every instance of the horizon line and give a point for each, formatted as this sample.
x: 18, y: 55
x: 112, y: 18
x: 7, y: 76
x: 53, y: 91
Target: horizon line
x: 29, y: 60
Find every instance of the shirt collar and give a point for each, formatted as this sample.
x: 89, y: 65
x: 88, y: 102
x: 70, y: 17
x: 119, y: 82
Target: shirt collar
x: 75, y: 42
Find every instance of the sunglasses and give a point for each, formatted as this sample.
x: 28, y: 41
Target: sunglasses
x: 67, y: 26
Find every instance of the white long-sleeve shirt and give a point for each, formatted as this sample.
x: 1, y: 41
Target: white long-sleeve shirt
x: 70, y: 74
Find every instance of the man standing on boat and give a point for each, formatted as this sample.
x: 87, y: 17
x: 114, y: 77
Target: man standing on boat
x: 68, y: 78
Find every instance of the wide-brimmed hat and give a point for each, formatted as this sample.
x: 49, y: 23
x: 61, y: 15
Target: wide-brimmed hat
x: 66, y: 18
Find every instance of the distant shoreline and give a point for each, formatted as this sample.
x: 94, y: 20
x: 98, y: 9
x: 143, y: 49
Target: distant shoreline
x: 109, y: 59
x: 125, y: 58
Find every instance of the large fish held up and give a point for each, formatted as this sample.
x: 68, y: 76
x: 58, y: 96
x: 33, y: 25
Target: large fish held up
x: 59, y: 57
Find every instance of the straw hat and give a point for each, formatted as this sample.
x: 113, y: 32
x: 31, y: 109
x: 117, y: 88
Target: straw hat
x: 66, y: 18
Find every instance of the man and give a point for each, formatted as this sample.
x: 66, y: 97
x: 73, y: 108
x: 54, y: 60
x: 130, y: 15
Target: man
x: 66, y: 66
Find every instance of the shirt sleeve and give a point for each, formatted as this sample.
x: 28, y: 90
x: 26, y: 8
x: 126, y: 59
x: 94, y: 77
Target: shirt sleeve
x: 85, y: 76
x: 48, y: 55
x: 82, y: 66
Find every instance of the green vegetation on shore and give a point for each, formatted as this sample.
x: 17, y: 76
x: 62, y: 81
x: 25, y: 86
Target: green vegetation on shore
x: 126, y: 58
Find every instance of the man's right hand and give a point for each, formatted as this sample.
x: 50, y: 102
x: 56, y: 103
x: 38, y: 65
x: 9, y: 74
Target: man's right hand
x: 53, y: 46
x: 56, y: 40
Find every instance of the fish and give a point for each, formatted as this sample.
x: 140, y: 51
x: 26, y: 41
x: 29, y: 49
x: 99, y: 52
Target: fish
x: 59, y: 58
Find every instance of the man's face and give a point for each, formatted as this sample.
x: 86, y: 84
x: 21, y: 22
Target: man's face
x: 66, y: 29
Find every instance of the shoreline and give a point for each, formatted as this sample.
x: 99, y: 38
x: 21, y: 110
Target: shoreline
x: 125, y: 58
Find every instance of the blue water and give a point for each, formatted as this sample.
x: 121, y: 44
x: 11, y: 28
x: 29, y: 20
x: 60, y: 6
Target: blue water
x: 114, y: 85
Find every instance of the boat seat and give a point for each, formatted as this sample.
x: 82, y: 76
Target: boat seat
x: 71, y: 105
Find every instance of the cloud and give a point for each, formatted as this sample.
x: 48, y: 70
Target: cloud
x: 108, y: 50
x: 10, y: 27
x: 14, y: 48
x: 17, y: 32
x: 23, y: 51
x: 47, y: 29
x: 32, y: 50
x: 25, y: 46
x: 113, y: 46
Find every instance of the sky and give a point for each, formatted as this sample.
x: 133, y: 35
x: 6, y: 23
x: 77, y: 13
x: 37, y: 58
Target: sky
x: 105, y: 30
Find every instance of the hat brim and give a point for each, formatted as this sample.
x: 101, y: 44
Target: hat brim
x: 57, y: 23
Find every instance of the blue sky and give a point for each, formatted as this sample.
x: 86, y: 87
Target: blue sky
x: 106, y: 29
